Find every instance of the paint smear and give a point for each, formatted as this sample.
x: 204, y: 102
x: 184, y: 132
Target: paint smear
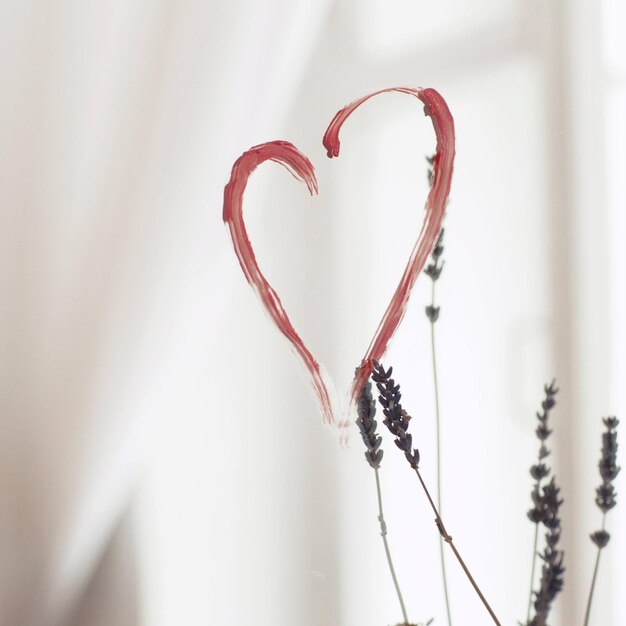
x: 436, y: 108
x: 288, y: 155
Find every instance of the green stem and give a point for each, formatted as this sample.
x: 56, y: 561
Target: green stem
x: 383, y: 534
x: 438, y: 426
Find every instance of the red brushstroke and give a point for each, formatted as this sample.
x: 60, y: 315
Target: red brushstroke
x: 436, y: 108
x: 288, y: 155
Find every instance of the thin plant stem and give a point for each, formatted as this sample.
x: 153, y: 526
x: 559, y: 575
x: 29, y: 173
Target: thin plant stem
x: 438, y: 454
x: 534, y: 561
x: 538, y: 513
x: 593, y: 584
x: 532, y: 571
x: 448, y: 539
x: 383, y: 534
x: 593, y: 579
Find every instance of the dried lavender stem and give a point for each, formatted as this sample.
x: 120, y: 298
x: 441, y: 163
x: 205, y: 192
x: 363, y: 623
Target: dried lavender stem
x: 605, y: 495
x: 397, y: 421
x: 383, y: 534
x: 532, y: 572
x: 539, y: 471
x: 438, y: 454
x: 593, y: 578
x: 534, y: 563
x: 448, y: 539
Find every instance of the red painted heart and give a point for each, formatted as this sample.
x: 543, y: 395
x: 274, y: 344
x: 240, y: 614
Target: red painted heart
x: 288, y: 155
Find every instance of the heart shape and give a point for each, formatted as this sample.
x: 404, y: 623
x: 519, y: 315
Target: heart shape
x: 288, y: 155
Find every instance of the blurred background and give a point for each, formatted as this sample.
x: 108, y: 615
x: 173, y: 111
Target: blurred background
x: 162, y: 456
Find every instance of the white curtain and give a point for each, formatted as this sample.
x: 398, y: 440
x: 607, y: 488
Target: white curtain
x: 119, y: 120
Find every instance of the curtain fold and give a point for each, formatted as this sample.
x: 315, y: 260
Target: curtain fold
x: 116, y: 118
